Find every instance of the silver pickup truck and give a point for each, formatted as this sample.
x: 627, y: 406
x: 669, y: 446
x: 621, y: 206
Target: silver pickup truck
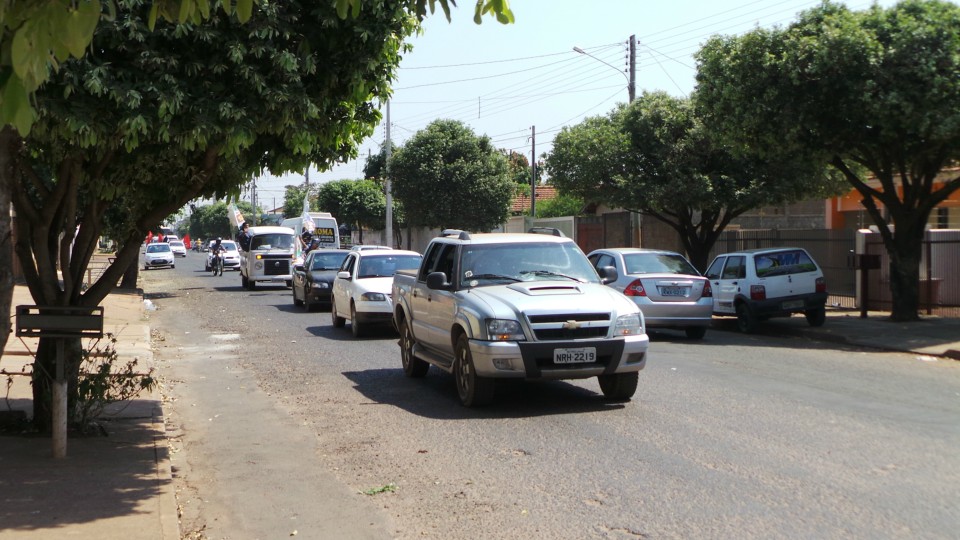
x: 491, y: 306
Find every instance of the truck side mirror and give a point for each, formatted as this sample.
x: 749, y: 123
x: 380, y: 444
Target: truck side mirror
x: 437, y: 281
x: 608, y: 274
x: 343, y: 275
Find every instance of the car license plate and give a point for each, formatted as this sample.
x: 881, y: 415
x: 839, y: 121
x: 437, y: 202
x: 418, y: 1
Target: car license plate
x: 583, y: 355
x: 673, y: 291
x: 793, y: 304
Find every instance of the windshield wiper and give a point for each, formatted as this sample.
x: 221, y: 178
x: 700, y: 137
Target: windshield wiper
x: 493, y: 276
x: 547, y: 273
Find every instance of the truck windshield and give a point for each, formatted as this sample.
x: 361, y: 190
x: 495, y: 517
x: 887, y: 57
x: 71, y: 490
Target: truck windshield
x: 496, y: 264
x: 272, y: 241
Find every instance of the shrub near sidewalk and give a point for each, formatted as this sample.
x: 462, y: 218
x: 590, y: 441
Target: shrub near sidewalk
x: 104, y: 380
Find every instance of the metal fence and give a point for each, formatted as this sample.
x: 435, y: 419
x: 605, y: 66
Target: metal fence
x: 939, y: 280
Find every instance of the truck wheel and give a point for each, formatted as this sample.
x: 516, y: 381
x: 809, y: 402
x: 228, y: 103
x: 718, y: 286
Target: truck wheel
x: 746, y: 322
x: 412, y: 366
x: 816, y: 317
x: 355, y: 327
x: 473, y: 389
x: 296, y: 301
x: 251, y: 284
x: 337, y: 321
x: 695, y: 332
x: 307, y: 303
x: 619, y: 386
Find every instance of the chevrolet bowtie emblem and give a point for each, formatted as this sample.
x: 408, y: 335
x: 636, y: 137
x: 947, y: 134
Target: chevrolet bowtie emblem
x: 571, y: 325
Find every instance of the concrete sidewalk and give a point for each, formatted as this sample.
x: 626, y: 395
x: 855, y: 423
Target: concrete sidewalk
x: 120, y: 486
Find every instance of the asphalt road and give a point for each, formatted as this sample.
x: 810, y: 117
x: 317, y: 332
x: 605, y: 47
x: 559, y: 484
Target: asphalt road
x: 279, y: 422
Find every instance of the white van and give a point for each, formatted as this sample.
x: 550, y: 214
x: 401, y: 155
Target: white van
x: 270, y: 257
x: 325, y: 227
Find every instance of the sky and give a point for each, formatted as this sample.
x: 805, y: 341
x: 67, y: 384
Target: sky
x: 507, y: 81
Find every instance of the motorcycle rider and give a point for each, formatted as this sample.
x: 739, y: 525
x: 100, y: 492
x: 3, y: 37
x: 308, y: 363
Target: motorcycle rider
x: 217, y: 250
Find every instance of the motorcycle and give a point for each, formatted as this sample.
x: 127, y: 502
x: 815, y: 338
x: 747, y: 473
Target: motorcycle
x: 217, y: 264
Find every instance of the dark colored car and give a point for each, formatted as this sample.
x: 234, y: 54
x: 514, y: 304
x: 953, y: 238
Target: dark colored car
x: 313, y: 280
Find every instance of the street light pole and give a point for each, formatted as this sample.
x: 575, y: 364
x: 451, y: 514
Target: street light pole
x: 632, y: 78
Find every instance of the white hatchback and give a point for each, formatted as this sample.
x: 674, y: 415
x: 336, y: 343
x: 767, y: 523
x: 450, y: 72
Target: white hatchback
x: 158, y: 255
x: 361, y: 291
x: 177, y: 247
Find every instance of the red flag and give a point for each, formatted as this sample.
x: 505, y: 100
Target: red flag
x: 186, y: 240
x: 149, y: 236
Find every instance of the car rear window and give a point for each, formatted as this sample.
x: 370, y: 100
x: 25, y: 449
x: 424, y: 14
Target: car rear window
x: 781, y: 263
x: 658, y: 263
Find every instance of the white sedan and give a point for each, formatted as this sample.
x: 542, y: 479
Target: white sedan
x: 178, y: 249
x: 361, y: 291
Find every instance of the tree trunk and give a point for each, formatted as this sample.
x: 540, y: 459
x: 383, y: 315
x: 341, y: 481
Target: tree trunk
x: 44, y: 373
x: 906, y: 251
x: 8, y: 141
x: 129, y: 280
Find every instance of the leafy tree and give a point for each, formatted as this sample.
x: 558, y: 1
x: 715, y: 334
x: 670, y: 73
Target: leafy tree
x: 875, y: 89
x: 562, y: 205
x: 655, y: 157
x: 375, y: 166
x: 214, y: 220
x: 293, y: 199
x: 39, y: 35
x: 155, y: 127
x: 446, y: 176
x: 359, y: 203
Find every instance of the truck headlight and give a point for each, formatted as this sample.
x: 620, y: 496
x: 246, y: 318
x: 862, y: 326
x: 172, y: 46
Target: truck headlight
x: 628, y: 325
x: 504, y: 330
x: 373, y: 297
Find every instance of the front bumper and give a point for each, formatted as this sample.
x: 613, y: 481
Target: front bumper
x: 534, y: 359
x: 159, y: 262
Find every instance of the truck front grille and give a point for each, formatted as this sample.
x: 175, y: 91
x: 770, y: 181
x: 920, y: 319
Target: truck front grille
x: 555, y: 327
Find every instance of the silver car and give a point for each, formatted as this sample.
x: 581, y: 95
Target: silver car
x: 664, y: 285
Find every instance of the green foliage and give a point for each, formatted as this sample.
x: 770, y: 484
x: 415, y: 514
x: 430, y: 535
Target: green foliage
x: 293, y: 200
x: 103, y: 380
x: 214, y: 220
x: 656, y: 157
x: 873, y: 90
x: 559, y: 206
x: 388, y: 488
x: 446, y: 176
x: 42, y: 34
x: 519, y: 167
x: 375, y: 166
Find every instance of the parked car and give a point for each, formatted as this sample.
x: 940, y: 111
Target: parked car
x: 158, y: 255
x: 231, y: 257
x: 361, y: 292
x: 313, y: 280
x: 758, y: 284
x: 664, y: 285
x: 178, y: 248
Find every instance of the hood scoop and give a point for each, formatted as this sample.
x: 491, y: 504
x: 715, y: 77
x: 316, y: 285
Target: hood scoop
x: 545, y: 289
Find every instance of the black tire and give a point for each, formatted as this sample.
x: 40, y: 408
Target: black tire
x: 296, y: 302
x: 412, y: 366
x: 244, y: 282
x: 172, y: 266
x: 695, y: 332
x: 619, y: 386
x: 337, y: 321
x: 746, y: 322
x: 145, y: 268
x: 251, y: 284
x: 358, y: 329
x: 289, y: 283
x: 473, y: 389
x: 308, y: 304
x: 816, y: 317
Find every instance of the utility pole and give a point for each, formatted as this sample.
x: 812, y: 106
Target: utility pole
x: 253, y: 200
x: 533, y: 171
x: 386, y: 174
x: 632, y: 88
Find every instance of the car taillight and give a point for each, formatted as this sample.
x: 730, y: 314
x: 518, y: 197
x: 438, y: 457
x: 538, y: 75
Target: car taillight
x: 707, y: 290
x: 821, y: 285
x: 758, y: 292
x: 635, y: 289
